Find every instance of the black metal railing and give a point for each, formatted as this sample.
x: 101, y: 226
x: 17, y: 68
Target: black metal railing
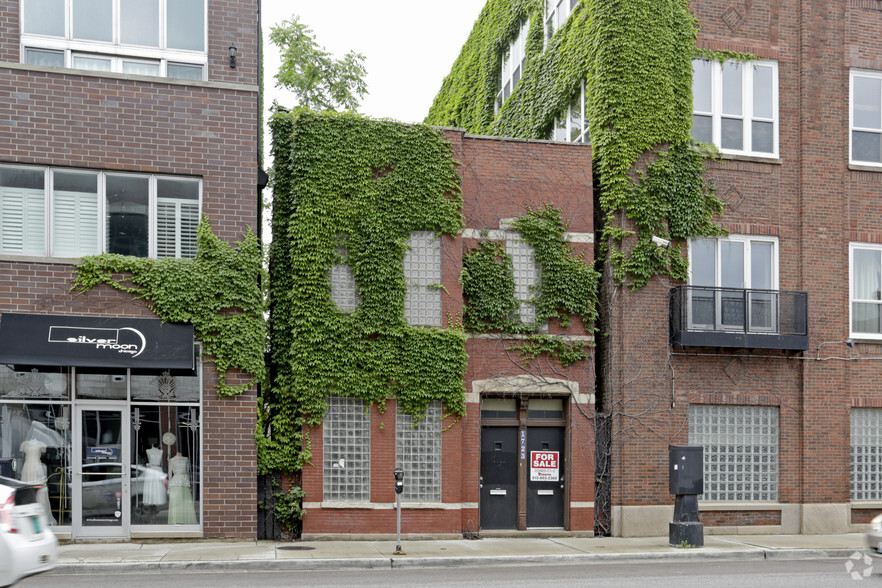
x: 739, y: 317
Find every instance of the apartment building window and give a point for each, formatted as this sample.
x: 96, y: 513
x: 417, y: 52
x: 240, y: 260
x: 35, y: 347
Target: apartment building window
x: 740, y: 451
x: 866, y: 454
x: 418, y: 453
x: 735, y: 106
x: 346, y: 442
x: 556, y: 14
x: 144, y: 37
x: 71, y: 213
x: 866, y: 117
x: 724, y: 270
x: 513, y: 62
x: 422, y: 270
x: 526, y: 274
x: 572, y: 123
x: 865, y: 260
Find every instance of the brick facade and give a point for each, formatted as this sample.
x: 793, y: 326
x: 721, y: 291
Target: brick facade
x: 103, y: 121
x: 501, y: 179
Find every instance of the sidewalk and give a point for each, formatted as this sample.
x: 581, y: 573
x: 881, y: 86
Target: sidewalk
x: 316, y: 555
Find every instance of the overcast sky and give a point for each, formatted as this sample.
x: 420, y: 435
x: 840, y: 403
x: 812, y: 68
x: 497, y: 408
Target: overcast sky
x: 408, y: 46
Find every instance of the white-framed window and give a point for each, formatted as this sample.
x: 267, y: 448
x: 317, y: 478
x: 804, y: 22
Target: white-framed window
x: 145, y: 37
x: 865, y: 117
x: 556, y: 14
x: 346, y: 444
x: 418, y: 453
x: 513, y: 62
x: 51, y: 212
x: 735, y: 106
x: 422, y: 270
x: 740, y: 451
x: 866, y: 453
x: 734, y: 281
x: 865, y: 290
x: 571, y: 124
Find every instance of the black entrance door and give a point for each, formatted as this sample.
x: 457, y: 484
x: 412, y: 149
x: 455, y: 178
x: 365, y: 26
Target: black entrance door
x: 499, y: 478
x: 545, y: 477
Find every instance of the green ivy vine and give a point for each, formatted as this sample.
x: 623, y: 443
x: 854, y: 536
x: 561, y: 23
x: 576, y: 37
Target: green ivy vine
x: 636, y: 60
x: 350, y: 190
x: 218, y: 291
x: 564, y: 352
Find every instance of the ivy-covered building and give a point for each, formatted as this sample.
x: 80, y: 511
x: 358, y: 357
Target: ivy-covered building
x: 132, y: 329
x: 409, y: 329
x: 736, y: 158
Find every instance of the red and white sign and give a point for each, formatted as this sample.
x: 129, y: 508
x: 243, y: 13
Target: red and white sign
x: 544, y: 466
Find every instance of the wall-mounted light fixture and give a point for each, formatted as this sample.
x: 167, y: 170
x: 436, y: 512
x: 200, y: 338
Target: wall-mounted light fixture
x: 233, y: 52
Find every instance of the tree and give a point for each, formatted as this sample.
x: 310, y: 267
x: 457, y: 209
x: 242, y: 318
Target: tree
x: 317, y: 79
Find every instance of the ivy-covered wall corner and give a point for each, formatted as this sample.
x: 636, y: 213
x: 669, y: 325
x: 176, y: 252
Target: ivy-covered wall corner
x: 636, y: 61
x: 219, y: 292
x: 349, y: 191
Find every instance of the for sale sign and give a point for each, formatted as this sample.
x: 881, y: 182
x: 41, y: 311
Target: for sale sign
x: 544, y: 466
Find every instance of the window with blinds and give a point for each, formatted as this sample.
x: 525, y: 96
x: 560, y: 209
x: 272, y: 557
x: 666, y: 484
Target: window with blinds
x: 47, y: 212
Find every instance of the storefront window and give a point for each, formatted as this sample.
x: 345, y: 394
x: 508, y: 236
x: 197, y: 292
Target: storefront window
x: 101, y: 384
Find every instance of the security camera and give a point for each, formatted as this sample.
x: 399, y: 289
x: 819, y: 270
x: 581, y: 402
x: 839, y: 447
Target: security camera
x: 660, y: 242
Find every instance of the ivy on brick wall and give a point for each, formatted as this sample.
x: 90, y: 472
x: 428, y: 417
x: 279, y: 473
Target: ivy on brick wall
x: 351, y: 190
x: 636, y: 60
x: 218, y: 291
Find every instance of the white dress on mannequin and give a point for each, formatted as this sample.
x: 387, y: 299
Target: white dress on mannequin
x: 34, y: 471
x: 181, y: 510
x: 154, y: 492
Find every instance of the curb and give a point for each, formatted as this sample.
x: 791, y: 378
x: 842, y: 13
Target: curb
x: 371, y: 563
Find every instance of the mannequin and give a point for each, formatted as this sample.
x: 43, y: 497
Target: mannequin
x: 181, y: 510
x: 34, y: 471
x: 154, y: 493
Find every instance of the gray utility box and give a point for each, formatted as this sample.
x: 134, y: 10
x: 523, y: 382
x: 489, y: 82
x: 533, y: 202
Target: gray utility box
x: 686, y: 478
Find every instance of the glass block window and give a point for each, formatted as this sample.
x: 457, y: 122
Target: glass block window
x: 740, y: 451
x: 343, y: 291
x: 422, y: 270
x: 526, y: 274
x: 347, y: 450
x: 418, y: 453
x: 866, y: 454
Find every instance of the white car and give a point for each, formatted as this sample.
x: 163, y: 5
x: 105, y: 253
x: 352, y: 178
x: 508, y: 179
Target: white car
x: 27, y: 546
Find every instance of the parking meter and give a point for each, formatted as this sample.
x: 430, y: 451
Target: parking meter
x: 399, y: 480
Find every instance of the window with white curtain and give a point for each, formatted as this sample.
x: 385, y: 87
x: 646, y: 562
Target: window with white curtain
x: 513, y: 62
x: 71, y: 213
x: 865, y: 110
x: 865, y: 260
x: 141, y: 37
x: 735, y: 106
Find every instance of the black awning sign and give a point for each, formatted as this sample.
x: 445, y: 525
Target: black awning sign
x: 57, y: 340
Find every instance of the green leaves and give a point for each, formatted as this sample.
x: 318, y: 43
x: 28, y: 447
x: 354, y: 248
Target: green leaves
x: 351, y: 190
x: 317, y: 79
x: 218, y: 291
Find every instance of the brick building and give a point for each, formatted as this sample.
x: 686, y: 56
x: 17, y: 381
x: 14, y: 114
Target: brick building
x: 462, y: 476
x: 122, y: 124
x: 767, y: 356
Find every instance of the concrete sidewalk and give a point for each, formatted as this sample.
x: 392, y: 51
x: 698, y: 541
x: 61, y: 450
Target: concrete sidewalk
x: 315, y: 555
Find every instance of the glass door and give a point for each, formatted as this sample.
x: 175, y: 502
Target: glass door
x: 101, y: 473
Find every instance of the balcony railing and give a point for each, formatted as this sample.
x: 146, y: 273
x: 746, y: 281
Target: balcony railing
x: 736, y: 317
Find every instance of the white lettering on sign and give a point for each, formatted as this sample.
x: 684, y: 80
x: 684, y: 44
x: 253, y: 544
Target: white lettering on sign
x: 544, y: 466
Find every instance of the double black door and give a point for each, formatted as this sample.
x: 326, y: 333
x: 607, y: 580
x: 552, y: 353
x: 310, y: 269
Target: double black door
x: 508, y: 469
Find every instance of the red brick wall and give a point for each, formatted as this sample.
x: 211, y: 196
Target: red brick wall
x: 501, y: 179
